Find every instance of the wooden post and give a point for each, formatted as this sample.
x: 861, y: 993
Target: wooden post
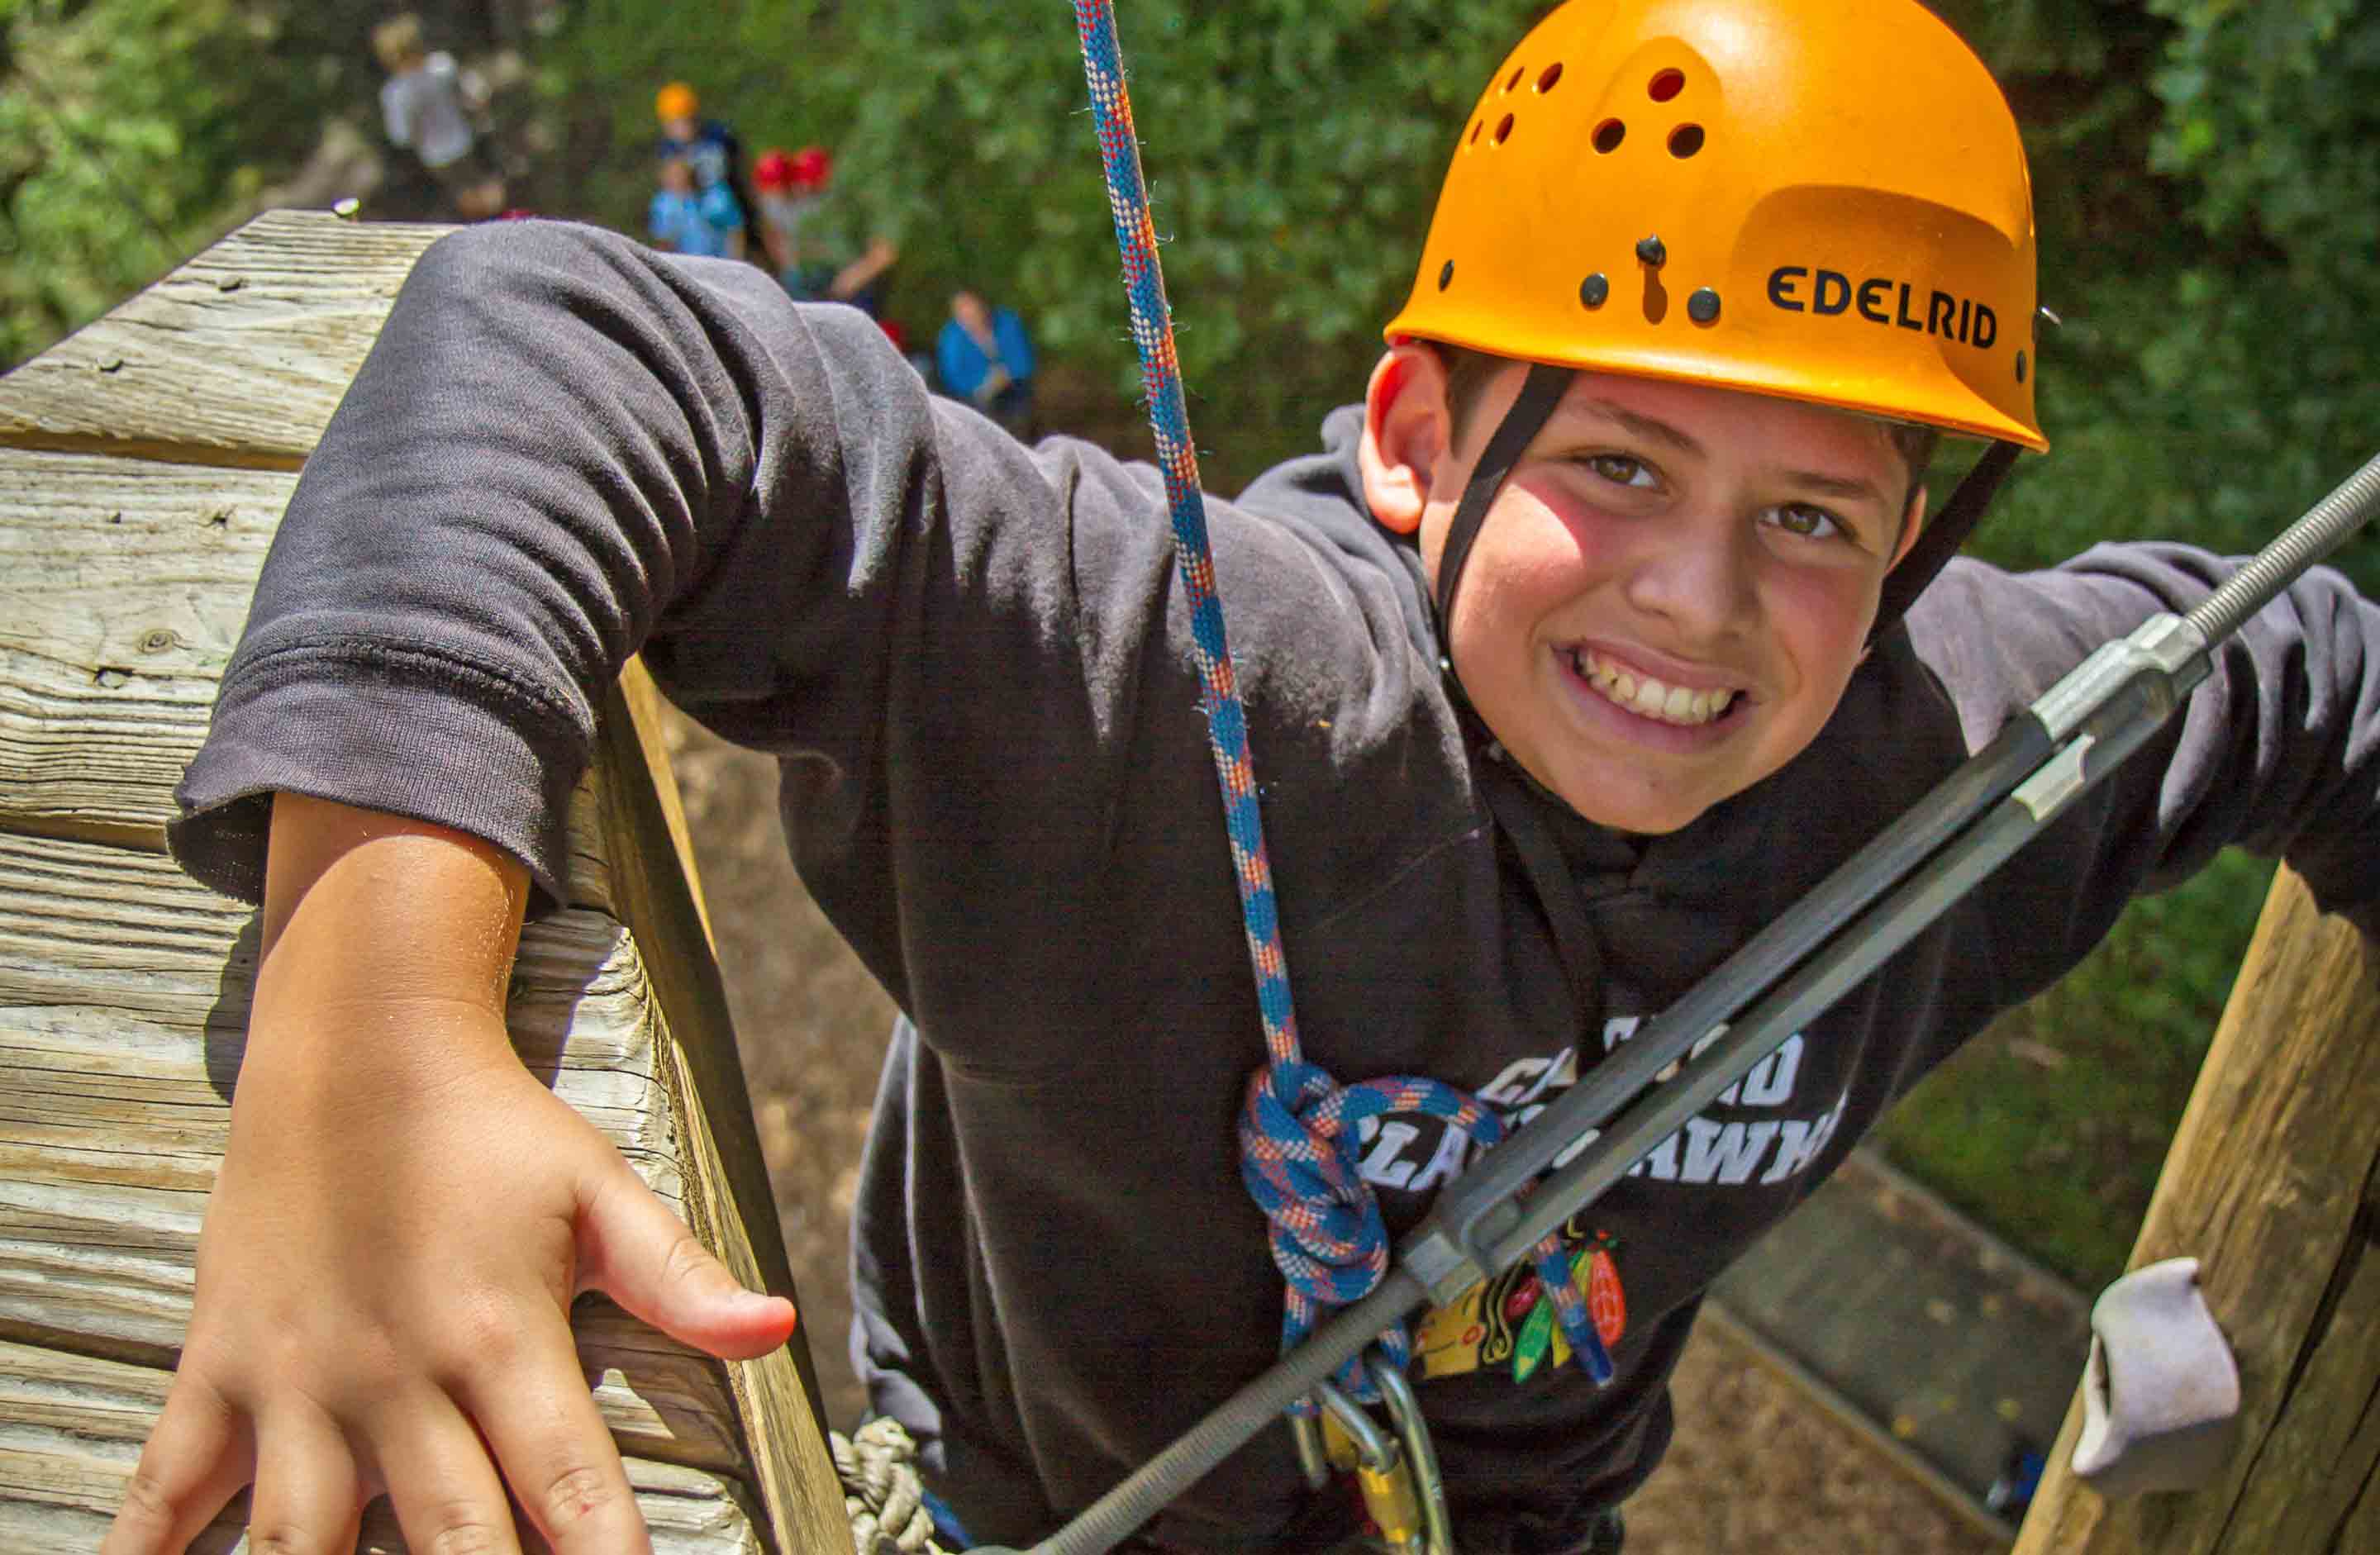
x: 144, y: 464
x: 2274, y: 1185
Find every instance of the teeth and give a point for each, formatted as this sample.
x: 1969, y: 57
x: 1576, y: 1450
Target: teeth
x: 1670, y: 704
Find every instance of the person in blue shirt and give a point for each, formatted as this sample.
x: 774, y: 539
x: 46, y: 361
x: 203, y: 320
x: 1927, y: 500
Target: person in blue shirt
x: 687, y: 219
x: 983, y: 356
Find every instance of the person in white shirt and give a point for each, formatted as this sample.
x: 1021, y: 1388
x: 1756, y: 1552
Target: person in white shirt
x: 426, y: 104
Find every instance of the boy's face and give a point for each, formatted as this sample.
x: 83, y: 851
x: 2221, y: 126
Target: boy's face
x: 1670, y: 591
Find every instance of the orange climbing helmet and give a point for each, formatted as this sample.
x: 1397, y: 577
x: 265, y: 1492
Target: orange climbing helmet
x: 1825, y: 200
x: 675, y: 101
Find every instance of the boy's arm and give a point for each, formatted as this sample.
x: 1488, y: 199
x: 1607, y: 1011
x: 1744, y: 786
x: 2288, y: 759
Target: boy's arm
x: 2277, y: 750
x: 368, y: 1315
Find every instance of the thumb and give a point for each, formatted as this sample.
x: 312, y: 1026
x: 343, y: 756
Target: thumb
x: 633, y: 1249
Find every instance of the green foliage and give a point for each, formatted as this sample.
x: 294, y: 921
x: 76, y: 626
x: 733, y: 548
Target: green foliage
x: 2053, y: 1128
x: 2207, y: 178
x: 1291, y: 146
x: 128, y: 129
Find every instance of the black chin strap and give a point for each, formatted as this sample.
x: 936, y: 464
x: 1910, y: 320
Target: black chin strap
x: 1943, y: 535
x: 1540, y: 394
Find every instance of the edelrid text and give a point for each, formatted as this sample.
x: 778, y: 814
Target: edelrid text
x: 1799, y: 289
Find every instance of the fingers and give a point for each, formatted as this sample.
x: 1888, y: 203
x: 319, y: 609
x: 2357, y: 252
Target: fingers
x: 634, y: 1249
x: 196, y: 1460
x: 440, y: 1482
x: 547, y: 1434
x: 309, y: 1499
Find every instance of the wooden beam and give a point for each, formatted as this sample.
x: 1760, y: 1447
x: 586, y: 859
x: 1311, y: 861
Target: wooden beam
x: 236, y: 359
x: 2274, y: 1185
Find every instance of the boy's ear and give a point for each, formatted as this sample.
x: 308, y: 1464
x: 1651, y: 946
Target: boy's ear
x: 1407, y: 431
x: 1911, y: 523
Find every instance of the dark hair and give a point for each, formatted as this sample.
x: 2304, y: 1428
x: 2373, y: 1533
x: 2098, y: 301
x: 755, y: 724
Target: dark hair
x: 1468, y: 373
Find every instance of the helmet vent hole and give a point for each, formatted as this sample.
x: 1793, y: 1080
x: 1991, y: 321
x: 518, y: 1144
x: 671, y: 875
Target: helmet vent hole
x: 1476, y: 129
x: 1446, y: 275
x: 1609, y: 134
x: 1547, y: 77
x: 1515, y: 78
x: 1666, y: 85
x: 1686, y: 140
x: 1503, y: 131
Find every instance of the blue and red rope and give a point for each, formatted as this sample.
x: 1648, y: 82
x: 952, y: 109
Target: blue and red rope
x: 1300, y: 1129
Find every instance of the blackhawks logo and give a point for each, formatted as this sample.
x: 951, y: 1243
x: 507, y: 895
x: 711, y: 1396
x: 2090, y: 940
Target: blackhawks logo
x: 1508, y: 1323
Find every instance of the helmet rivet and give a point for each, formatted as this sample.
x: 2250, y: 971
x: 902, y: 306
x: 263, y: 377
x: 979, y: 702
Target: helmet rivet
x: 2020, y: 367
x: 1702, y: 306
x: 1653, y: 251
x: 1446, y: 275
x: 1594, y: 290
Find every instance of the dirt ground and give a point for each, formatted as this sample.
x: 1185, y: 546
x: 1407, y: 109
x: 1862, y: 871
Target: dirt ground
x: 1757, y: 1468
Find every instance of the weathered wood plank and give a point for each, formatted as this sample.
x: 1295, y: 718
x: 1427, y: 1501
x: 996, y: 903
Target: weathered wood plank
x: 236, y: 358
x: 124, y: 585
x: 728, y: 1202
x: 2271, y: 1185
x: 121, y: 1030
x: 71, y: 1428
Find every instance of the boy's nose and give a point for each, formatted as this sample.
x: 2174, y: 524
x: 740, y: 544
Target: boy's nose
x: 1696, y: 577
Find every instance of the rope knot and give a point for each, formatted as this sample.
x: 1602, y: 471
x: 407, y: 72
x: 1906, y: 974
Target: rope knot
x: 1301, y: 1137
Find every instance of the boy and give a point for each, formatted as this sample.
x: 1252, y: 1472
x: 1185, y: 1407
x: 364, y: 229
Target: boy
x: 1660, y: 718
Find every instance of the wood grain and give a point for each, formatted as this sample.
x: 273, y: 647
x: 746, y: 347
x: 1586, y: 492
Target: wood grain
x: 124, y: 585
x: 2271, y: 1184
x: 124, y: 991
x: 71, y: 1428
x: 237, y: 358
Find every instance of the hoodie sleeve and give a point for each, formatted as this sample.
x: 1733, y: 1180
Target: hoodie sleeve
x: 564, y: 448
x: 2277, y: 750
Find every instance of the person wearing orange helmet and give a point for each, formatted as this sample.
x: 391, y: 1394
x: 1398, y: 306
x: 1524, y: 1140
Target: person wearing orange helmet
x: 710, y: 151
x: 1615, y: 617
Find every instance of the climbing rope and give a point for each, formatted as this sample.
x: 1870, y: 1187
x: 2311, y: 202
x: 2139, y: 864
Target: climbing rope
x: 1300, y: 1129
x: 882, y: 1496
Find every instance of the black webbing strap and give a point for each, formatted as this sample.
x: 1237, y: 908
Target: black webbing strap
x: 1540, y: 394
x: 1944, y: 534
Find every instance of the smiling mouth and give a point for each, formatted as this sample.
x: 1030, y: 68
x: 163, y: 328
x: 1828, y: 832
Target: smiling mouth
x: 1648, y: 697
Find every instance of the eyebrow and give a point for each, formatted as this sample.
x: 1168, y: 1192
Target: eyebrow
x: 1843, y: 488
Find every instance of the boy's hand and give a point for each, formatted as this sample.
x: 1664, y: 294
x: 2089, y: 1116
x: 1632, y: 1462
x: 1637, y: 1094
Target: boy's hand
x: 403, y: 1218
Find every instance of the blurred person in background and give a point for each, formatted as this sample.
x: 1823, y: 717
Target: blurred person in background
x: 426, y: 105
x: 688, y: 220
x: 821, y: 251
x: 710, y: 148
x: 983, y: 356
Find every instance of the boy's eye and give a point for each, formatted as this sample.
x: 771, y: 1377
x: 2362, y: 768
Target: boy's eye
x: 1811, y: 523
x: 1621, y: 469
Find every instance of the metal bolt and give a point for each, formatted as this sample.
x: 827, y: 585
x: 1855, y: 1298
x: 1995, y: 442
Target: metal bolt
x: 1702, y: 306
x: 1653, y: 251
x: 1595, y: 289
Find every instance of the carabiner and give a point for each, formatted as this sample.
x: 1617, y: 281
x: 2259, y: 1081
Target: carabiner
x: 1421, y: 1457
